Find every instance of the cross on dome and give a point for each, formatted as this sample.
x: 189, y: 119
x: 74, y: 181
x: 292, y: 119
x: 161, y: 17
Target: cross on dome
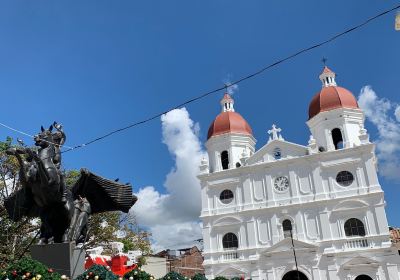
x: 227, y: 103
x: 327, y: 77
x: 273, y: 132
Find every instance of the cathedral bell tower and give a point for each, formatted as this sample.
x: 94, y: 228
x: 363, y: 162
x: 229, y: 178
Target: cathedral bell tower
x: 335, y: 120
x: 230, y: 138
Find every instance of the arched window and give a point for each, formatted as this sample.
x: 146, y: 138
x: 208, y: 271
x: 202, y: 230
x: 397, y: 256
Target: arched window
x: 354, y: 227
x: 225, y: 160
x: 230, y: 241
x: 337, y: 138
x: 363, y: 277
x: 287, y: 228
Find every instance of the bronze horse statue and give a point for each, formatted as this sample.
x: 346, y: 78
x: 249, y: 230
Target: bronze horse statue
x: 63, y: 210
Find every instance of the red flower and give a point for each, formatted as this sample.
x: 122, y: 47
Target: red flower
x: 50, y: 270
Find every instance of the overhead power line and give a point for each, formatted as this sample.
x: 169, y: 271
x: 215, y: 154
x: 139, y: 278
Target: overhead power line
x: 252, y: 75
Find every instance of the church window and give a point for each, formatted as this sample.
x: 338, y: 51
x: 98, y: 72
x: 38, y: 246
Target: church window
x: 225, y: 160
x: 277, y: 153
x: 337, y: 138
x: 344, y: 178
x: 354, y: 227
x: 230, y: 241
x: 226, y: 196
x: 287, y: 228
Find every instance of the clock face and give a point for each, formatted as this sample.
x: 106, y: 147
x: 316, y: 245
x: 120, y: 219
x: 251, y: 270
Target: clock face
x: 281, y: 183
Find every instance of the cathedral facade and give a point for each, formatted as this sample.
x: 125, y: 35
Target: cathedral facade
x: 289, y: 211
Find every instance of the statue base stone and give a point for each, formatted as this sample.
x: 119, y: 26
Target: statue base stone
x: 63, y: 258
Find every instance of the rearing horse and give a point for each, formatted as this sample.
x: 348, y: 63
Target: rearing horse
x: 40, y: 176
x: 63, y: 211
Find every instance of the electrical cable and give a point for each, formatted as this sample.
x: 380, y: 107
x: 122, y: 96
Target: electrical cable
x: 256, y: 73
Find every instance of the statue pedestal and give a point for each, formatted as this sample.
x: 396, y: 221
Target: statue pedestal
x: 63, y: 258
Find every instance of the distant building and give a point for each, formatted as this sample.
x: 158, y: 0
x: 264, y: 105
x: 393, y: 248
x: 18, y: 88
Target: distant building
x: 395, y: 236
x: 187, y: 262
x: 289, y: 211
x: 156, y: 266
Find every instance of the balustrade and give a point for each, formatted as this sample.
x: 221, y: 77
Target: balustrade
x: 231, y: 255
x: 356, y: 243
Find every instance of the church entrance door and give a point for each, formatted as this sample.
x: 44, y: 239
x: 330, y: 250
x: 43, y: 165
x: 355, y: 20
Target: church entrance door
x: 294, y: 275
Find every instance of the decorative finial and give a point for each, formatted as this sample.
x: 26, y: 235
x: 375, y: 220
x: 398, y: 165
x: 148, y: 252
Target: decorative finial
x: 273, y: 132
x: 226, y: 85
x: 204, y: 166
x: 324, y: 60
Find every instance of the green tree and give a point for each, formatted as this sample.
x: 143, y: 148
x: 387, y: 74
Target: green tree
x: 108, y: 227
x: 14, y: 236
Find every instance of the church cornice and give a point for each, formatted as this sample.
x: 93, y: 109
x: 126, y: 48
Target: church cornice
x: 300, y: 204
x: 312, y: 158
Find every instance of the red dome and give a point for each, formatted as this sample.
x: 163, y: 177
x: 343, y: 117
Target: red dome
x: 229, y: 122
x: 329, y: 98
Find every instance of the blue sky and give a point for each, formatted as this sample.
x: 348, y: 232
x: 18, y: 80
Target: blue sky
x: 98, y: 65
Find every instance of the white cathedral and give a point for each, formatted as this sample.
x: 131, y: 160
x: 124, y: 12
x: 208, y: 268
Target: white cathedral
x: 288, y: 211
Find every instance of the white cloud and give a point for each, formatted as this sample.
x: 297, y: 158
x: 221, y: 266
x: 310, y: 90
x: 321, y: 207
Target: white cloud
x: 231, y: 88
x: 397, y: 113
x: 178, y: 236
x: 173, y: 218
x: 385, y: 115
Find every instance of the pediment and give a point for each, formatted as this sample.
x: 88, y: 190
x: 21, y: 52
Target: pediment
x: 359, y: 262
x: 350, y: 205
x: 285, y: 245
x: 225, y: 221
x: 232, y: 270
x: 287, y: 149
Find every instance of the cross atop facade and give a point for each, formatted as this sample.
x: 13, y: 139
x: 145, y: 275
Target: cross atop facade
x: 274, y: 132
x: 324, y: 60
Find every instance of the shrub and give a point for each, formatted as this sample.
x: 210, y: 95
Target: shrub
x: 220, y: 278
x: 199, y: 276
x: 29, y: 268
x: 100, y: 271
x: 138, y: 274
x: 173, y: 276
